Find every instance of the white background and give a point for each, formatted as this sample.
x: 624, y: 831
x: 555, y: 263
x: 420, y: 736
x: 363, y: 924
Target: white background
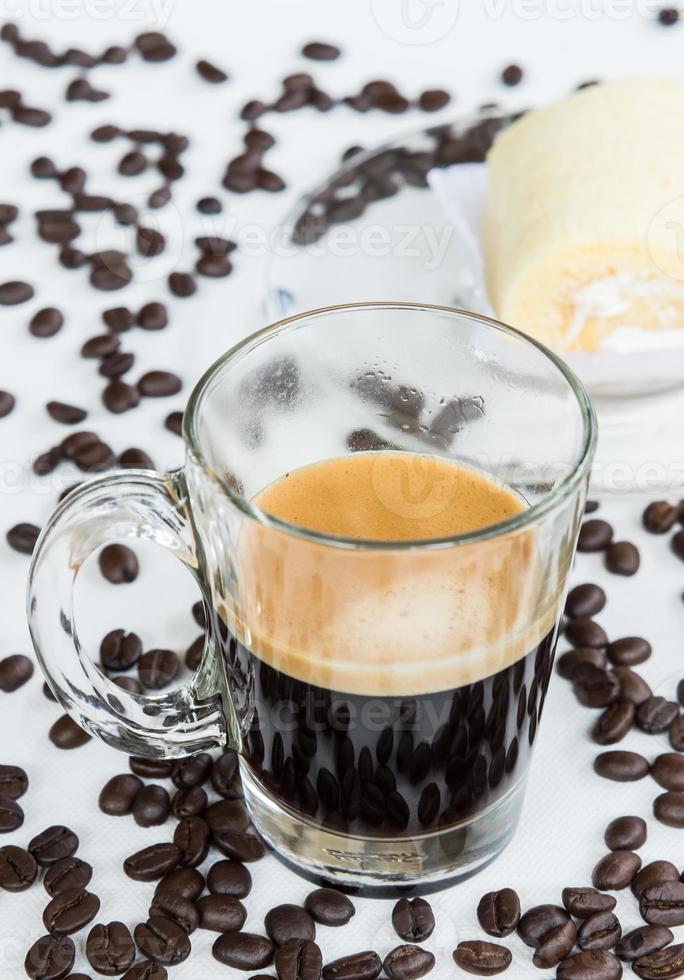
x: 558, y: 44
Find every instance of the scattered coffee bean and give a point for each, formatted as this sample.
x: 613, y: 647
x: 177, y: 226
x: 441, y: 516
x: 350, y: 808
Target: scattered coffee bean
x: 18, y: 869
x: 244, y: 951
x: 481, y: 958
x: 7, y: 403
x: 23, y: 537
x: 210, y: 73
x: 118, y: 564
x: 159, y: 384
x: 625, y: 834
x: 158, y: 668
x: 66, y: 734
x: 594, y: 687
x: 15, y: 292
x: 120, y: 650
x: 195, y: 652
x: 119, y: 397
x: 659, y: 517
x: 571, y: 659
x: 15, y: 671
x: 182, y: 284
x: 118, y: 794
x: 174, y: 422
x: 163, y: 940
x: 50, y: 958
x: 499, y: 912
x: 676, y: 734
x: 623, y: 767
x: 677, y: 544
x: 135, y: 459
x: 668, y: 808
x: 221, y: 913
x: 110, y: 949
x: 413, y: 920
x: 584, y: 902
x: 616, y: 870
x: 321, y: 51
x: 614, y: 723
x: 585, y: 601
x: 539, y: 921
x: 327, y: 906
x: 67, y: 874
x: 192, y: 771
x: 13, y: 782
x: 594, y: 964
x: 664, y: 963
x: 555, y: 946
x: 191, y: 802
x: 653, y: 874
x: 656, y: 715
x: 176, y: 907
x: 289, y: 922
x: 46, y: 323
x: 150, y: 768
x: 668, y: 16
x: 209, y: 205
x: 225, y: 773
x: 118, y: 319
x: 186, y: 882
x: 600, y: 931
x: 53, y: 844
x: 643, y: 941
x: 668, y: 771
x: 151, y: 806
x: 64, y: 413
x: 512, y: 75
x: 70, y: 911
x: 239, y: 846
x: 595, y: 535
x: 153, y: 862
x: 146, y: 970
x: 586, y: 633
x: 663, y: 904
x: 408, y: 963
x: 357, y: 966
x: 629, y: 651
x: 192, y: 837
x: 632, y: 686
x: 11, y: 815
x: 622, y: 558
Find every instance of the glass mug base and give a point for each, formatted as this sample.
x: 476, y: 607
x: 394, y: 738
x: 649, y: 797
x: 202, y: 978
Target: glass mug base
x: 384, y: 865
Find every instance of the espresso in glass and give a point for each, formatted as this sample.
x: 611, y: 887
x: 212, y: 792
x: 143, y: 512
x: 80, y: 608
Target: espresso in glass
x: 407, y: 698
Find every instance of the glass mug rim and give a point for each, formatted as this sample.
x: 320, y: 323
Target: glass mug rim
x: 529, y: 516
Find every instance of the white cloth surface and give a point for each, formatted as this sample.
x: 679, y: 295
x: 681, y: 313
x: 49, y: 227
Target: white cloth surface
x: 567, y: 806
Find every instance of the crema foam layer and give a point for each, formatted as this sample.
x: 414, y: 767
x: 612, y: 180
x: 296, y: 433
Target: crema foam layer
x: 381, y: 622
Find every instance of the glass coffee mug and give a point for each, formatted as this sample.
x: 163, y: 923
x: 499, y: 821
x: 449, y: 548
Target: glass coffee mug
x: 384, y: 696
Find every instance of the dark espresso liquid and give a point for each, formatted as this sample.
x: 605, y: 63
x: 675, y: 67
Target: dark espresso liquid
x: 432, y: 720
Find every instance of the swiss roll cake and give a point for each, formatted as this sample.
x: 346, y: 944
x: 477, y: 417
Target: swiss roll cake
x: 584, y: 248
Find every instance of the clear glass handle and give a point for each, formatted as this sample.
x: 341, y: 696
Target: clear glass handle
x: 134, y: 504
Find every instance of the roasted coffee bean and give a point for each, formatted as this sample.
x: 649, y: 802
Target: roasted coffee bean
x: 677, y: 544
x: 182, y: 284
x: 132, y: 163
x: 191, y: 802
x: 28, y: 116
x: 413, y: 920
x: 668, y: 771
x: 52, y: 845
x: 298, y: 959
x: 221, y: 913
x: 227, y: 815
x: 192, y: 837
x: 244, y: 951
x: 151, y: 806
x: 659, y: 517
x: 47, y: 461
x: 67, y: 874
x: 622, y: 767
x: 18, y: 869
x: 408, y: 963
x: 159, y: 384
x: 118, y: 319
x: 120, y: 650
x: 668, y: 16
x: 186, y: 882
x: 643, y: 941
x: 595, y: 535
x: 7, y: 403
x: 628, y: 651
x: 583, y: 902
x: 586, y: 633
x: 176, y: 907
x: 481, y: 958
x: 118, y: 564
x: 66, y: 414
x: 594, y: 687
x: 233, y: 878
x: 23, y: 537
x: 555, y: 946
x: 540, y: 920
x: 585, y: 601
x: 119, y: 396
x: 118, y: 794
x: 146, y: 970
x: 195, y: 652
x: 15, y: 292
x: 572, y: 659
x: 215, y: 245
x: 114, y: 365
x: 70, y: 911
x: 100, y: 346
x: 8, y: 213
x: 158, y: 668
x: 66, y: 734
x: 357, y: 966
x: 625, y: 834
x: 321, y: 51
x: 163, y: 940
x: 680, y: 692
x: 209, y: 205
x: 499, y: 912
x: 192, y: 771
x: 149, y: 242
x: 622, y: 558
x: 159, y: 198
x: 15, y: 671
x: 289, y: 922
x: 224, y: 770
x: 614, y: 723
x: 594, y: 964
x: 600, y: 931
x: 656, y: 715
x: 153, y: 862
x: 676, y: 734
x: 50, y: 958
x: 664, y: 963
x: 663, y: 904
x: 240, y: 846
x: 153, y: 316
x: 214, y: 266
x: 668, y: 808
x: 210, y: 73
x: 615, y: 871
x: 654, y: 874
x: 150, y: 768
x: 13, y: 782
x: 110, y: 948
x: 135, y: 459
x: 43, y: 168
x: 46, y: 322
x: 632, y: 686
x: 327, y: 906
